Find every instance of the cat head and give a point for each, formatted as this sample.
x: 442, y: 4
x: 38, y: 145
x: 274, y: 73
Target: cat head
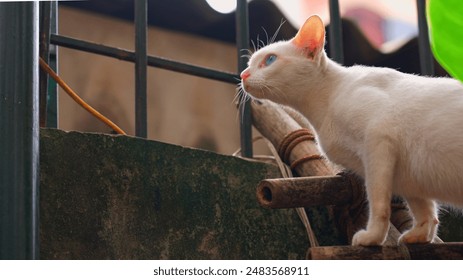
x: 280, y: 69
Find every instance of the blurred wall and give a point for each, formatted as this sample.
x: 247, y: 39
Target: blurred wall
x: 182, y: 109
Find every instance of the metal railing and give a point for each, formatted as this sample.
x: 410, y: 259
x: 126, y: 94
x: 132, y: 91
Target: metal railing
x: 19, y: 151
x: 141, y: 59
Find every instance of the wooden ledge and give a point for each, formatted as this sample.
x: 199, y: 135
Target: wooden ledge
x: 433, y: 251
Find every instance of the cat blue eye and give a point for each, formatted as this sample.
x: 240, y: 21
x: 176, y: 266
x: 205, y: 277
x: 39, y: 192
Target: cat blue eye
x: 270, y: 59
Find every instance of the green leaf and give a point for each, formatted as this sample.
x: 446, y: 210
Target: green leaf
x: 445, y: 19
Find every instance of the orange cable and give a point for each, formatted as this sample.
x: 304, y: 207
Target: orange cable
x: 79, y: 100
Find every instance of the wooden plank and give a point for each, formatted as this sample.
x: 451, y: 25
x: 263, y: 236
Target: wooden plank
x: 437, y: 251
x: 358, y: 253
x: 433, y: 251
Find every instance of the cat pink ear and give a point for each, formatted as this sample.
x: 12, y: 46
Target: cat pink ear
x: 311, y: 36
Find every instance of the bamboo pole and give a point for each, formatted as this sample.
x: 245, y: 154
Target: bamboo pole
x: 274, y: 123
x: 304, y: 192
x: 321, y: 190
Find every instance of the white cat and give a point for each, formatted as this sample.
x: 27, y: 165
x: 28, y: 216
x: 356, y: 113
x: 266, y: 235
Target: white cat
x: 402, y: 133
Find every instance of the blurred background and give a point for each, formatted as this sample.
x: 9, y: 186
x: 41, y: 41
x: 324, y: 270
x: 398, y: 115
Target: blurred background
x: 382, y: 21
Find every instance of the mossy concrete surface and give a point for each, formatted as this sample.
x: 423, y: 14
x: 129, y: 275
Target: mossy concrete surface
x: 120, y: 197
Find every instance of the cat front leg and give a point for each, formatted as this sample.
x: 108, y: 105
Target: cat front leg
x: 379, y: 165
x: 377, y: 226
x: 425, y: 221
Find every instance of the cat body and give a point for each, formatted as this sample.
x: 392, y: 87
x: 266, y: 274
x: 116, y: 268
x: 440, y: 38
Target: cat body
x: 423, y: 122
x: 402, y: 133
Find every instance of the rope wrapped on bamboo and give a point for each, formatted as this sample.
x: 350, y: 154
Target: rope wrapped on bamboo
x: 290, y: 141
x: 274, y: 123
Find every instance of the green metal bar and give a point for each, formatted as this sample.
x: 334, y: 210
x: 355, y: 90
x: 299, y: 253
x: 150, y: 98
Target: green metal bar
x: 44, y: 50
x: 335, y: 40
x: 141, y: 62
x: 242, y: 43
x: 153, y: 61
x: 19, y: 130
x: 426, y: 58
x: 52, y: 108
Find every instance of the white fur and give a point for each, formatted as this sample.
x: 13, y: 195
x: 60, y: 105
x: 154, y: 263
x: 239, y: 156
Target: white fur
x: 403, y: 133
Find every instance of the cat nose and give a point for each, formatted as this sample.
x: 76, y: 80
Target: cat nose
x: 245, y: 74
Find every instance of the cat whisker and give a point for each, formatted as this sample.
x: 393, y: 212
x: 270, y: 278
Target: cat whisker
x: 262, y: 42
x: 244, y: 98
x: 275, y: 91
x: 266, y: 34
x: 262, y: 89
x: 258, y: 42
x: 242, y: 95
x: 253, y: 45
x: 239, y: 93
x: 283, y: 21
x: 238, y: 100
x: 268, y: 88
x: 249, y: 52
x: 237, y: 103
x: 281, y: 93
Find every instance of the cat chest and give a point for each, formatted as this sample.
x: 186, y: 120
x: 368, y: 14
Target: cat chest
x: 342, y: 150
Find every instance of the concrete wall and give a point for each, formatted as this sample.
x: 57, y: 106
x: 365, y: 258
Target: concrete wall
x: 119, y: 197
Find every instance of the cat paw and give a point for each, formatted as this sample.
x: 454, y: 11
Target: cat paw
x: 422, y: 233
x: 367, y: 238
x: 412, y: 239
x: 416, y: 235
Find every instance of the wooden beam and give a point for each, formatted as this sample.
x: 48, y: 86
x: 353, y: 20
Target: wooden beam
x: 357, y: 253
x: 439, y: 251
x: 436, y: 251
